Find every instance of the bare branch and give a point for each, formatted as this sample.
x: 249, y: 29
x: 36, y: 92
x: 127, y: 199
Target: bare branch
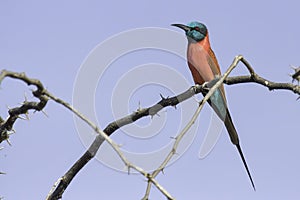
x: 104, y: 135
x: 255, y: 78
x: 7, y: 125
x: 43, y: 96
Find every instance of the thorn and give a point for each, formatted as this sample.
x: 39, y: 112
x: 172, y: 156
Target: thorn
x: 162, y: 97
x: 7, y: 140
x: 11, y: 132
x: 25, y: 97
x: 162, y: 171
x: 175, y: 152
x: 139, y: 107
x: 151, y: 116
x: 27, y: 115
x: 20, y: 117
x: 44, y: 112
x: 293, y: 67
x: 296, y: 75
x: 128, y: 170
x: 154, y: 114
x: 296, y: 69
x: 8, y: 108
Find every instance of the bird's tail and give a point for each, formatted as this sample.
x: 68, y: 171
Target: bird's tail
x: 235, y: 140
x: 218, y: 103
x: 231, y: 129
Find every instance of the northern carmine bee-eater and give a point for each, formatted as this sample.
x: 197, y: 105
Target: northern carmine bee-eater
x: 204, y: 67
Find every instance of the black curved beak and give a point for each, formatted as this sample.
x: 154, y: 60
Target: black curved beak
x: 183, y: 27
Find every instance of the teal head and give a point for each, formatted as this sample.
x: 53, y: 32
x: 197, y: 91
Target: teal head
x: 194, y: 30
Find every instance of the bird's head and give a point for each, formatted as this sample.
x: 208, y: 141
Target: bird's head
x: 194, y: 30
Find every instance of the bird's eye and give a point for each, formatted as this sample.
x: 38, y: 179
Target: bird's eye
x: 197, y: 28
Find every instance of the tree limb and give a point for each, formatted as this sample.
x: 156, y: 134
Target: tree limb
x: 7, y: 125
x: 43, y: 96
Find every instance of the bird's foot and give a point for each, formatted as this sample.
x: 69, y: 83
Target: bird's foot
x: 205, y: 86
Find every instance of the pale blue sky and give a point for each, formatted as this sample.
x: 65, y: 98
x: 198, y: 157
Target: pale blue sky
x: 50, y: 40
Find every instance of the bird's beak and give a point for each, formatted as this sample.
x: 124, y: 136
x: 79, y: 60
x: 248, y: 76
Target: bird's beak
x: 184, y: 27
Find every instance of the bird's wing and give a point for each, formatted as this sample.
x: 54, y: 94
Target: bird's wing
x: 214, y: 65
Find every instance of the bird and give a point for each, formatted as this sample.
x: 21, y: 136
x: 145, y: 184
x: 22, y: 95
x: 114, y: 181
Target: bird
x: 204, y: 67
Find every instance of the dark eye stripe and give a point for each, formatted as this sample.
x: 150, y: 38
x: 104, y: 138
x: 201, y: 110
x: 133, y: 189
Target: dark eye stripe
x: 196, y: 28
x: 201, y: 30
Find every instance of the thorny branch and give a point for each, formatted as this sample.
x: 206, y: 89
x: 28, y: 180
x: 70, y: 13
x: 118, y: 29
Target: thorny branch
x: 6, y: 126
